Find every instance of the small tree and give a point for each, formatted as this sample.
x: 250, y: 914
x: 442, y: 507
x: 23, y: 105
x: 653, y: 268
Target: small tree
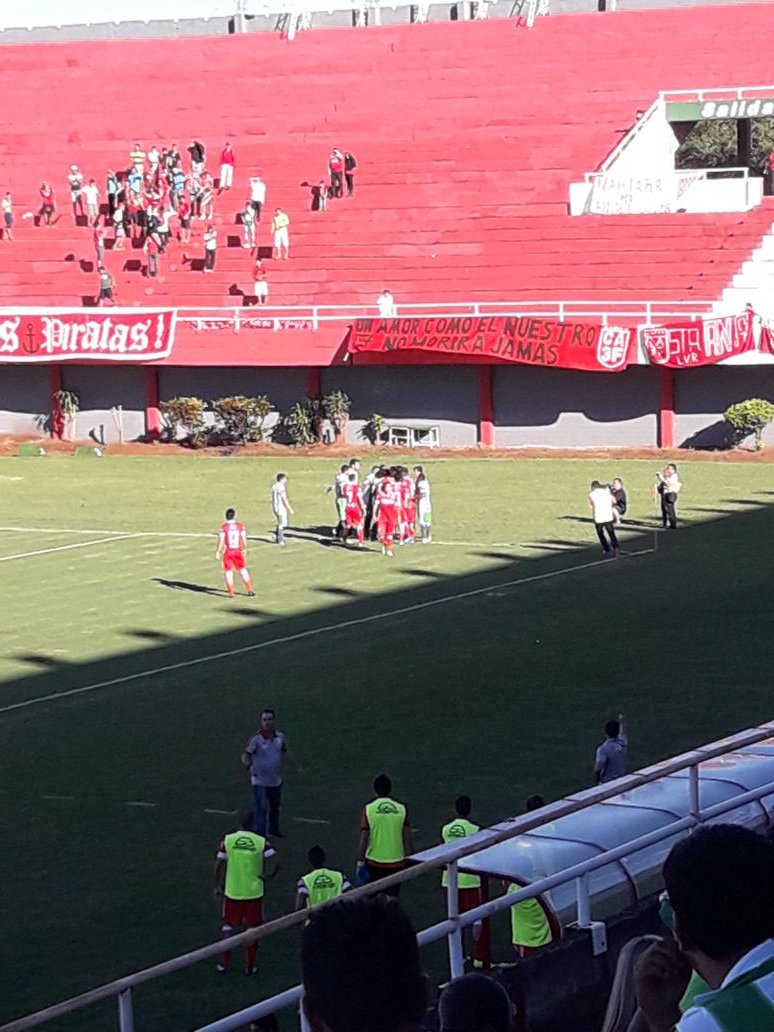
x: 66, y: 408
x: 749, y: 417
x: 185, y: 420
x: 241, y: 419
x: 373, y: 428
x: 302, y: 421
x: 336, y: 406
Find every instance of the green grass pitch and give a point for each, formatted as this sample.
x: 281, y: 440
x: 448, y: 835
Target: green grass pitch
x: 498, y: 687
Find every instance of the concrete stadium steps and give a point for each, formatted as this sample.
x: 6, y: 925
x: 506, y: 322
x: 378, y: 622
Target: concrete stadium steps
x: 467, y: 137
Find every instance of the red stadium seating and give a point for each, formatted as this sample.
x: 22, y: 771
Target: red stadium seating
x: 467, y: 137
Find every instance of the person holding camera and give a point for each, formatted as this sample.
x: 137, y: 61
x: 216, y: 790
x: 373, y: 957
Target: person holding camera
x: 668, y: 488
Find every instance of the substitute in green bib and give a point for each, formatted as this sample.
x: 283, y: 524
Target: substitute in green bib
x: 245, y: 861
x: 321, y: 884
x: 385, y: 836
x: 469, y: 885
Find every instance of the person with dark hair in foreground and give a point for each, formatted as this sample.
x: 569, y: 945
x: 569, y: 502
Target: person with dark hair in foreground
x: 475, y: 1003
x: 720, y: 883
x: 360, y: 969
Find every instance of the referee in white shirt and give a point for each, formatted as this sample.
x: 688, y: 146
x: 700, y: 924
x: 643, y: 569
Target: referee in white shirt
x: 601, y: 500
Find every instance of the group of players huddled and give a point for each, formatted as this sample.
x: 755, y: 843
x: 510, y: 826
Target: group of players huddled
x: 390, y: 506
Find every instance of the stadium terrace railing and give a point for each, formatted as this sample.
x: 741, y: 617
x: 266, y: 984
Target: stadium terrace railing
x: 717, y: 93
x: 656, y: 108
x: 645, y: 312
x: 451, y: 928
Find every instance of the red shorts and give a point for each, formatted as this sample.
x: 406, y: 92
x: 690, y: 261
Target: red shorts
x: 410, y: 513
x: 233, y: 561
x: 353, y: 516
x: 468, y: 899
x: 388, y: 521
x: 239, y: 912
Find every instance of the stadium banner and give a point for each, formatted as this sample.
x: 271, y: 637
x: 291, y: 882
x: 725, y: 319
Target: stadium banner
x: 249, y: 323
x: 704, y: 342
x: 640, y: 195
x: 85, y: 335
x: 523, y: 339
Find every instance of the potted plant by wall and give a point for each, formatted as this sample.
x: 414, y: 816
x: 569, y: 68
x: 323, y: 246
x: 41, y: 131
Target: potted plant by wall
x: 336, y: 406
x: 240, y: 419
x: 66, y: 406
x: 184, y: 419
x: 303, y: 422
x: 373, y: 428
x: 749, y: 418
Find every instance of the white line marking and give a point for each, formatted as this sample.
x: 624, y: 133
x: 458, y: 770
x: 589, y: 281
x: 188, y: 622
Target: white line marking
x: 312, y: 632
x: 138, y: 803
x: 309, y: 820
x: 68, y: 798
x: 115, y: 533
x: 66, y: 548
x: 226, y: 813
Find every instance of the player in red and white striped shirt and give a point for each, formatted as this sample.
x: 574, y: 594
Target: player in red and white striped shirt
x: 408, y: 508
x: 388, y: 496
x: 232, y: 547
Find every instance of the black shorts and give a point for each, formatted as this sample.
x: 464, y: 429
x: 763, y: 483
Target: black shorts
x: 106, y: 294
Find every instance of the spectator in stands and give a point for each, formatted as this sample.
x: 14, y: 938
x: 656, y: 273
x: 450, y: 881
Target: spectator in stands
x: 137, y: 158
x: 770, y: 170
x: 386, y: 305
x: 47, y: 203
x: 99, y: 243
x: 91, y: 196
x: 475, y: 1003
x: 177, y: 182
x: 119, y: 226
x: 226, y: 177
x: 154, y: 157
x: 622, y: 1003
x: 610, y: 759
x: 112, y: 189
x: 248, y: 226
x: 720, y: 883
x: 163, y: 229
x: 257, y: 195
x: 280, y: 228
x: 105, y: 287
x: 7, y: 207
x: 153, y: 247
x: 350, y: 165
x: 75, y: 179
x: 320, y: 196
x: 184, y: 215
x: 205, y: 197
x: 360, y: 969
x: 336, y: 169
x: 210, y: 247
x: 260, y: 283
x: 170, y: 157
x: 196, y: 153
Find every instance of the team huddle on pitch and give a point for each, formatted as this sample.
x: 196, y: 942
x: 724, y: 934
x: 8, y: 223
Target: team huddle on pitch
x: 390, y: 506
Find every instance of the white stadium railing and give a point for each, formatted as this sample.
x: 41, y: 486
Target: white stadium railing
x: 717, y: 93
x: 577, y: 875
x: 57, y: 13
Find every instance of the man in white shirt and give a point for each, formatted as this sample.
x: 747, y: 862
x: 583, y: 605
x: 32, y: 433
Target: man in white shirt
x: 601, y: 500
x: 91, y: 196
x: 668, y: 487
x: 280, y: 506
x: 720, y: 883
x: 257, y: 195
x: 386, y: 305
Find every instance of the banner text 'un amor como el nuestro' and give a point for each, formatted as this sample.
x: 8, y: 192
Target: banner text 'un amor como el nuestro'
x: 87, y: 336
x: 521, y: 339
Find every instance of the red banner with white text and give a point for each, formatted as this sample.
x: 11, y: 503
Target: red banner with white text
x: 704, y: 342
x: 524, y: 339
x: 125, y: 336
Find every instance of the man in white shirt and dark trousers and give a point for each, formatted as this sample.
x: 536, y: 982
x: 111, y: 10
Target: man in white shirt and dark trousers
x: 263, y: 755
x: 602, y: 501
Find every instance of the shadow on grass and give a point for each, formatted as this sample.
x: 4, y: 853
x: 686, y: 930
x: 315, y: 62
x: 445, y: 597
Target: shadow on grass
x: 199, y: 589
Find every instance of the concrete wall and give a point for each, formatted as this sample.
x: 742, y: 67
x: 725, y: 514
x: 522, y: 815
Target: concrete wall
x: 703, y: 395
x: 25, y: 395
x: 564, y: 408
x: 442, y: 395
x: 546, y: 407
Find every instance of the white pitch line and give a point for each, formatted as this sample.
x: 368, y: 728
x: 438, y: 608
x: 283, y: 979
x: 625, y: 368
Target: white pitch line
x: 309, y: 820
x: 226, y: 813
x: 67, y: 548
x: 312, y: 632
x: 139, y: 803
x: 115, y: 533
x: 62, y: 798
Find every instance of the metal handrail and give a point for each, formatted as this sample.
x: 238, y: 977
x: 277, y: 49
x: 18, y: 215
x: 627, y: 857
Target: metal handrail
x: 737, y: 91
x: 656, y: 107
x: 121, y: 988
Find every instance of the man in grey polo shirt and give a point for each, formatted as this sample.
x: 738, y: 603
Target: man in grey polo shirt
x: 610, y: 762
x: 263, y: 755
